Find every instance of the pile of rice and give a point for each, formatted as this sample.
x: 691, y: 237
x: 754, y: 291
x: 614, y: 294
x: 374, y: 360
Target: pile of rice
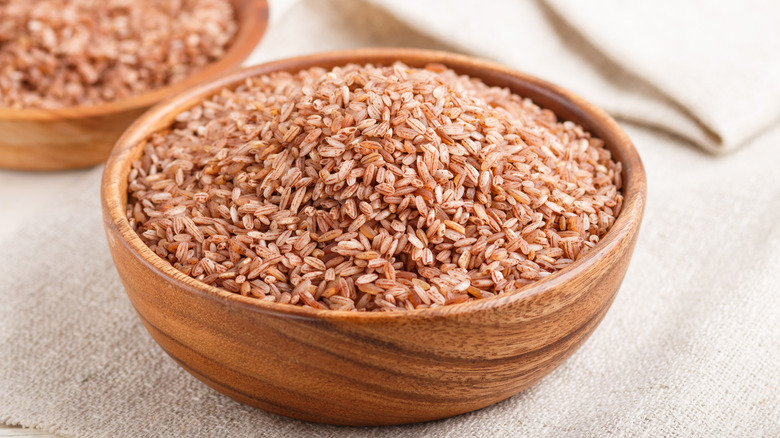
x: 56, y: 53
x: 372, y: 189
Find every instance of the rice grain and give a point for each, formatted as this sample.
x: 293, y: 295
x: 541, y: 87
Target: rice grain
x: 56, y: 54
x: 370, y: 188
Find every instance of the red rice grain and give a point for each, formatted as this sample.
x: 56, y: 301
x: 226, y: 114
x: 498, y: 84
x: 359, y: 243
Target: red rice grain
x: 372, y: 189
x: 56, y: 53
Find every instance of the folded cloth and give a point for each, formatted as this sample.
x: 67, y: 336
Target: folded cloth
x: 687, y: 349
x: 706, y: 71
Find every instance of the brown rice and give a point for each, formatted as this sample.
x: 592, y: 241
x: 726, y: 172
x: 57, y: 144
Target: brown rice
x: 57, y: 54
x: 371, y: 188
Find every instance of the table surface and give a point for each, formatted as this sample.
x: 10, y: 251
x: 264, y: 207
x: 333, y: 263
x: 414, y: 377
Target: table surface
x: 18, y: 432
x: 24, y: 194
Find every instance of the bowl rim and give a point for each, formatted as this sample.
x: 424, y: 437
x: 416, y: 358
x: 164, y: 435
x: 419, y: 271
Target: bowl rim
x: 624, y: 228
x: 252, y: 24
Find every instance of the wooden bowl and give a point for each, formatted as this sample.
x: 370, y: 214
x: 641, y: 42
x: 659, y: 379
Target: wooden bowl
x: 69, y: 138
x: 374, y: 368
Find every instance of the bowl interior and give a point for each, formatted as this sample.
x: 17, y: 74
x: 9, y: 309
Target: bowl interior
x: 566, y: 105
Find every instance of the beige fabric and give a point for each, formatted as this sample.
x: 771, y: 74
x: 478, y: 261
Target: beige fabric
x: 689, y: 347
x: 706, y: 71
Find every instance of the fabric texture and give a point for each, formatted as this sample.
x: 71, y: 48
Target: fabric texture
x: 688, y: 349
x: 706, y: 71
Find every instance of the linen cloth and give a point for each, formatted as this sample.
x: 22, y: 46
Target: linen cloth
x: 708, y: 71
x: 689, y: 347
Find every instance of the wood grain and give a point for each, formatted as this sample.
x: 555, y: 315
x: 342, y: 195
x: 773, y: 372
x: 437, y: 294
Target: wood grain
x: 68, y: 138
x: 383, y: 368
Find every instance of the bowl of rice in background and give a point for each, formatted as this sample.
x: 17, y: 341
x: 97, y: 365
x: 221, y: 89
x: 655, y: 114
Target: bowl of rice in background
x: 372, y: 237
x: 74, y: 76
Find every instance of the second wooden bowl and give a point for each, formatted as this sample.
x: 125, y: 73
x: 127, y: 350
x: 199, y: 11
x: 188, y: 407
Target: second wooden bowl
x: 68, y: 138
x: 374, y: 368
